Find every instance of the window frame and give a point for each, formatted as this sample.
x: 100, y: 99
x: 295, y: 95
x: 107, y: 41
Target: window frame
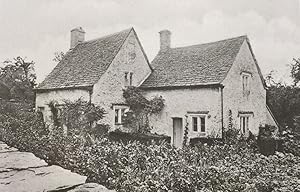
x: 119, y: 112
x: 199, y: 123
x: 246, y: 83
x: 126, y: 79
x: 130, y: 78
x: 244, y: 124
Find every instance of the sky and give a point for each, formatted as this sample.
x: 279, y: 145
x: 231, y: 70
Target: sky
x: 36, y: 29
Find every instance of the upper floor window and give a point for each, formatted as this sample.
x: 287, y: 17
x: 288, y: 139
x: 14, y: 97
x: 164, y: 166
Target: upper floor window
x: 126, y: 79
x: 130, y: 78
x: 246, y: 78
x: 199, y: 123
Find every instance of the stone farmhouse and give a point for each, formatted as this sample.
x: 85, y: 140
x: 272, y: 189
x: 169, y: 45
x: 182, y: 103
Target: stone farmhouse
x: 206, y: 87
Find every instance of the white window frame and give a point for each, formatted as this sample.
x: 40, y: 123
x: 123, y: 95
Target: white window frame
x: 199, y: 116
x: 246, y: 83
x: 247, y: 119
x: 119, y: 109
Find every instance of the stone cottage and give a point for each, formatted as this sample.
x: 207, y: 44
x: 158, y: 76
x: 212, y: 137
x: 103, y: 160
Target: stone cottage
x: 207, y: 87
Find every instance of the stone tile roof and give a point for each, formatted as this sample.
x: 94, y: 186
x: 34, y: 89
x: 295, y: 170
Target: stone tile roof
x: 86, y: 63
x: 203, y: 64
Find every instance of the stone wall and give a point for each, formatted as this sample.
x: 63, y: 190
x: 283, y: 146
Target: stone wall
x: 182, y: 102
x: 44, y: 98
x: 109, y: 89
x: 234, y: 99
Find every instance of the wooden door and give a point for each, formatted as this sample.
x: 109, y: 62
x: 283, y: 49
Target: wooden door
x: 177, y: 132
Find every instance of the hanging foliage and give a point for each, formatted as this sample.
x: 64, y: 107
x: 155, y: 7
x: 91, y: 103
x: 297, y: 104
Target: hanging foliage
x: 186, y: 132
x: 140, y: 109
x: 54, y: 111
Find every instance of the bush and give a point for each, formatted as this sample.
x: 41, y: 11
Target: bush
x: 230, y: 166
x: 291, y: 142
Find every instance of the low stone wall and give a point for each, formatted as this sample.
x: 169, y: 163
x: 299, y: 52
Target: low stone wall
x: 22, y: 171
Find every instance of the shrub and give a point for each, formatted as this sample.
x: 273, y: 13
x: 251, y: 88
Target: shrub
x: 291, y: 142
x: 266, y: 140
x: 134, y: 166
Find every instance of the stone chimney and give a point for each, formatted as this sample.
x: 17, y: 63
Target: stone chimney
x: 77, y: 36
x: 165, y: 40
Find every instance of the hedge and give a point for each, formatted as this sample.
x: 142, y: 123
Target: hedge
x: 134, y: 166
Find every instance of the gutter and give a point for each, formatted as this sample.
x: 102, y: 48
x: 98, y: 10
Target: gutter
x: 39, y: 90
x: 213, y: 85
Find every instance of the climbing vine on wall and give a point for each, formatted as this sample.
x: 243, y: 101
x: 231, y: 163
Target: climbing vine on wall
x: 230, y: 120
x: 186, y: 131
x: 140, y: 109
x: 54, y: 111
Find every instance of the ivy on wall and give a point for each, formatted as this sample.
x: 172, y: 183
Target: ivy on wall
x: 186, y: 131
x: 140, y: 109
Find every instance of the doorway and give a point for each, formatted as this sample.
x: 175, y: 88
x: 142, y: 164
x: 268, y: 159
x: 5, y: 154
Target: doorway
x: 177, y: 132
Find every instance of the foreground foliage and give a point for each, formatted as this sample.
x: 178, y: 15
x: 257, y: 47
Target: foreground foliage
x: 233, y: 166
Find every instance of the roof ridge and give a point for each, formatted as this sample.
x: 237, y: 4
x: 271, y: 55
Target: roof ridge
x: 109, y: 35
x: 228, y: 39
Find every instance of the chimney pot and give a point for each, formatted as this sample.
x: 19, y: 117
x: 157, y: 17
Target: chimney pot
x: 77, y: 36
x: 165, y: 40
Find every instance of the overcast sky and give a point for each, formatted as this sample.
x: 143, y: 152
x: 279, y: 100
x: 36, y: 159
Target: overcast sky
x: 37, y: 28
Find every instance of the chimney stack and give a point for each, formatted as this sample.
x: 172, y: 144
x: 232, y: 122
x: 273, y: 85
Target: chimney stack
x: 165, y: 40
x: 77, y: 36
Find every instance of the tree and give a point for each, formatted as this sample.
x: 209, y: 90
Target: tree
x: 284, y: 101
x: 19, y: 77
x: 295, y: 71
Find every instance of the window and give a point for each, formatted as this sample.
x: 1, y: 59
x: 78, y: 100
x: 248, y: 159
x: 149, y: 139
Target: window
x: 41, y: 111
x: 199, y: 123
x: 202, y: 124
x: 244, y: 124
x: 246, y: 83
x: 130, y: 81
x: 195, y: 123
x: 126, y: 79
x: 120, y: 113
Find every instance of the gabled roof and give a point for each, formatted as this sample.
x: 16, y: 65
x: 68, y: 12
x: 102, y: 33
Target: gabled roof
x: 197, y: 65
x: 86, y: 63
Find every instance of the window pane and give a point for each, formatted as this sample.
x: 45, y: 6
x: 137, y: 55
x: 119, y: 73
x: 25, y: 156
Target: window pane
x: 131, y: 74
x: 126, y: 79
x: 195, y: 123
x: 202, y: 119
x: 241, y: 124
x: 244, y: 124
x: 122, y: 115
x: 116, y: 116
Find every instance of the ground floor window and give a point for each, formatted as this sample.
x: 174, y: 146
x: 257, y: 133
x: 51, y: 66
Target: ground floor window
x: 120, y: 112
x: 199, y: 123
x: 244, y: 124
x: 41, y: 111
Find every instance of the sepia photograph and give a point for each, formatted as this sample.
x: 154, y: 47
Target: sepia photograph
x: 149, y: 96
